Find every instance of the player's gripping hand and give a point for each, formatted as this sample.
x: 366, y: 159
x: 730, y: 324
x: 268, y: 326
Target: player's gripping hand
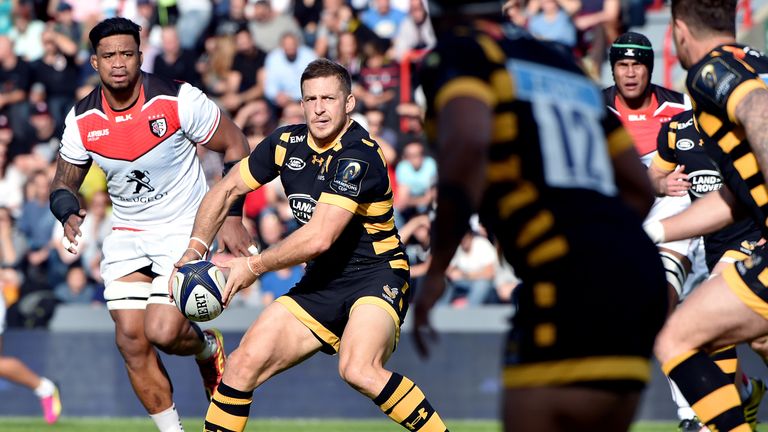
x: 72, y: 233
x: 676, y: 183
x: 234, y: 237
x: 189, y: 255
x: 423, y: 332
x: 240, y: 276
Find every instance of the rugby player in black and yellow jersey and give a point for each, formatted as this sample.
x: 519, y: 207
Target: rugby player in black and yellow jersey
x: 731, y: 110
x: 523, y: 137
x: 355, y: 293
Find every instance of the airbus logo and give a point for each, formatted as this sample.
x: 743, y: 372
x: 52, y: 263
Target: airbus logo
x: 94, y: 135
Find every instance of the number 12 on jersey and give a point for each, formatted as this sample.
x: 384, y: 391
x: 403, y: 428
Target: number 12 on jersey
x: 573, y: 147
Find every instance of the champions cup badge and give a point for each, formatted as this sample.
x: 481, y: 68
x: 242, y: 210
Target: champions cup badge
x: 158, y: 127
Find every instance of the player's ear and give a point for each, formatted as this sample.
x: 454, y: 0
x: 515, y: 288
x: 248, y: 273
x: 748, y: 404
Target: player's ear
x: 351, y: 102
x: 94, y: 64
x: 141, y: 58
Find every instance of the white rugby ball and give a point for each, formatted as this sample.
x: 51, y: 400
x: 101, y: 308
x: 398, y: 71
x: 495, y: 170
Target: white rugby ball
x: 197, y: 288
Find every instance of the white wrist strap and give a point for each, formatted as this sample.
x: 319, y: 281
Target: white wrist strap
x: 655, y: 230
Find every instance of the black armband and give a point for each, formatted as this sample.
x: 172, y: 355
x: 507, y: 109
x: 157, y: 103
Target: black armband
x: 237, y: 207
x: 64, y: 204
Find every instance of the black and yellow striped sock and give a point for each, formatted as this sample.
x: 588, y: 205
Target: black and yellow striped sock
x: 404, y: 402
x: 712, y: 396
x: 228, y: 410
x: 728, y: 361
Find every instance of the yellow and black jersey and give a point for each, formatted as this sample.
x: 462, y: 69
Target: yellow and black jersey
x: 717, y: 84
x: 550, y: 159
x: 552, y: 202
x: 350, y: 173
x: 680, y: 143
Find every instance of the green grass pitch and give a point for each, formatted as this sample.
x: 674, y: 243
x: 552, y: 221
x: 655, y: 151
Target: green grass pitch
x: 82, y: 424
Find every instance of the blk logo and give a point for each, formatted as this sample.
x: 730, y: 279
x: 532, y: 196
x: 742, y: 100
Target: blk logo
x: 141, y: 178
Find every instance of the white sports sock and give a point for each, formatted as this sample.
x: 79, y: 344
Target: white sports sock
x: 210, y: 348
x: 168, y: 420
x: 45, y: 388
x: 684, y: 410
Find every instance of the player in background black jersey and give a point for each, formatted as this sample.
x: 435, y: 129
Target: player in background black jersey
x: 355, y: 293
x: 731, y: 110
x: 681, y: 166
x: 523, y: 137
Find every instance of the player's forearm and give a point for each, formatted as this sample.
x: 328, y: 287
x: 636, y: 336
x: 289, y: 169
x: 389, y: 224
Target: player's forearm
x: 211, y: 214
x: 69, y: 176
x: 706, y: 215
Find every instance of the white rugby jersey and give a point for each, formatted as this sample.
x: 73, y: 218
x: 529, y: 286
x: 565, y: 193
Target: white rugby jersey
x: 147, y: 151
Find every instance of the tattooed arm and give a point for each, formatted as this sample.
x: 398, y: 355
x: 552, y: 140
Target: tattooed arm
x: 752, y: 113
x: 64, y: 203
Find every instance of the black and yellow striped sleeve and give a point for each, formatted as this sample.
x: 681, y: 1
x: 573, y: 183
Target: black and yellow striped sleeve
x: 665, y: 158
x: 261, y: 166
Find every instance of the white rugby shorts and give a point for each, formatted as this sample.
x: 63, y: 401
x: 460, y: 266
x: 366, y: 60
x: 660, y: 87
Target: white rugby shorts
x: 665, y: 207
x: 126, y: 251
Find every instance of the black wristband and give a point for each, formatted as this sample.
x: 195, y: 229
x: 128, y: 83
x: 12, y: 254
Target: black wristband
x: 64, y: 204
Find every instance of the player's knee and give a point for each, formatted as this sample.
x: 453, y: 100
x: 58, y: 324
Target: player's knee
x: 246, y: 369
x: 360, y: 376
x: 133, y: 345
x: 164, y: 337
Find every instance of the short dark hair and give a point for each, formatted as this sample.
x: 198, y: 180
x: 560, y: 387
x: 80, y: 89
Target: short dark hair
x: 708, y: 16
x: 323, y: 67
x: 111, y: 27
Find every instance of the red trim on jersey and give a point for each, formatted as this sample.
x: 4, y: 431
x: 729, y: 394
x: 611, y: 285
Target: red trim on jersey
x: 643, y: 125
x: 126, y: 229
x: 213, y: 129
x: 128, y: 135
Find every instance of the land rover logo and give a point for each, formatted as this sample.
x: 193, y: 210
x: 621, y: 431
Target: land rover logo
x: 302, y: 206
x: 705, y: 181
x: 295, y: 164
x: 684, y: 144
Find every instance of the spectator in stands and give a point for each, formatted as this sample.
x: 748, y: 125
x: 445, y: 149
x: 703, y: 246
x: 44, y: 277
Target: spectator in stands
x: 471, y: 271
x: 349, y: 55
x: 76, y: 288
x: 307, y: 14
x: 598, y: 22
x: 416, y: 175
x: 11, y: 179
x: 247, y: 75
x: 15, y: 75
x: 291, y: 114
x: 384, y: 136
x: 551, y: 20
x: 175, y: 61
x: 27, y: 33
x: 268, y: 27
x: 235, y: 18
x: 415, y: 32
x: 283, y: 69
x: 65, y: 23
x: 331, y: 26
x: 215, y: 65
x: 58, y: 71
x: 45, y: 140
x: 256, y: 120
x: 6, y: 17
x: 505, y: 281
x: 383, y: 19
x: 150, y: 34
x: 36, y: 224
x: 514, y: 11
x: 194, y: 17
x: 379, y: 82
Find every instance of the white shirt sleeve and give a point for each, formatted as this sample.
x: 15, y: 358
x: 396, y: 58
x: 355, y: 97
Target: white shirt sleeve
x: 199, y: 116
x: 72, y: 149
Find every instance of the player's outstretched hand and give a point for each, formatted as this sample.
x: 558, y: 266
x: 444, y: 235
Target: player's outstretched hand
x: 72, y: 233
x: 240, y: 276
x: 234, y: 237
x: 189, y: 255
x: 423, y: 332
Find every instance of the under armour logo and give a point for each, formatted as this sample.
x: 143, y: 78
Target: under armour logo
x: 141, y: 178
x: 317, y: 160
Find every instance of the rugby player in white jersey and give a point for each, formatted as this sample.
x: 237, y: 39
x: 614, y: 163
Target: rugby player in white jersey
x: 142, y: 130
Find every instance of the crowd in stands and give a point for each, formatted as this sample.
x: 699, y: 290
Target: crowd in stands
x: 248, y: 56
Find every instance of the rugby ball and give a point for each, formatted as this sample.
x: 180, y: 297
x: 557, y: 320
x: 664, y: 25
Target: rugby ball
x: 197, y: 288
